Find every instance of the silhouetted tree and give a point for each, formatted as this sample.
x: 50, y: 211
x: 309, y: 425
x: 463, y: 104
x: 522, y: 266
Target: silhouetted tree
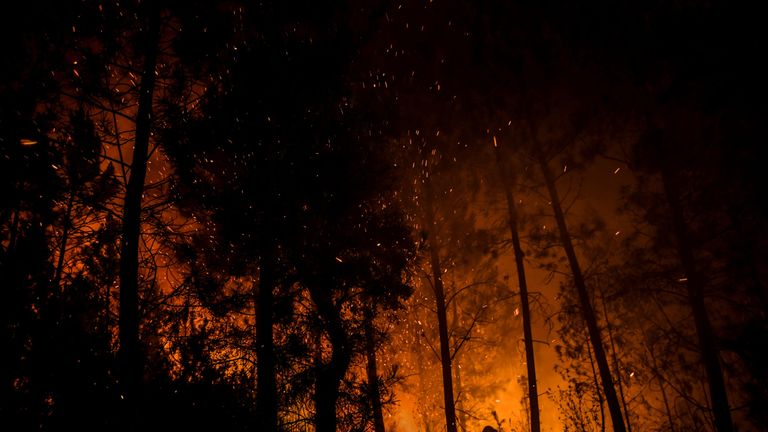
x: 522, y: 283
x: 283, y: 188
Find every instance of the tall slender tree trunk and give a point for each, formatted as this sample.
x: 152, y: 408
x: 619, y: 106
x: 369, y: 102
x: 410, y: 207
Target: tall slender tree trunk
x: 423, y: 387
x: 266, y: 383
x: 749, y: 247
x: 372, y: 372
x: 442, y: 321
x: 14, y: 232
x: 588, y: 312
x: 64, y: 238
x: 660, y: 379
x: 757, y: 288
x: 8, y: 309
x: 598, y: 392
x: 614, y: 355
x: 667, y: 407
x: 460, y: 414
x: 695, y: 286
x: 129, y: 354
x: 533, y: 393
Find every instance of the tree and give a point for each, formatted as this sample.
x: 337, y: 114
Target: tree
x: 285, y: 162
x: 56, y: 262
x: 371, y: 370
x: 692, y: 277
x: 440, y: 304
x: 52, y: 333
x: 127, y: 59
x: 533, y: 393
x: 585, y: 304
x: 370, y: 258
x: 131, y: 362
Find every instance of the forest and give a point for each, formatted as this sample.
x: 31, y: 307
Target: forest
x: 378, y: 215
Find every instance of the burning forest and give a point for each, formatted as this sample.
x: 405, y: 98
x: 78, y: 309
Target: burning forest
x: 414, y: 216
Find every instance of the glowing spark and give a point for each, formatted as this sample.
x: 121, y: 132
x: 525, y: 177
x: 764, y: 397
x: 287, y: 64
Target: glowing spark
x: 685, y: 279
x: 616, y: 171
x: 617, y: 233
x: 495, y: 144
x: 517, y: 311
x: 28, y: 142
x: 339, y: 259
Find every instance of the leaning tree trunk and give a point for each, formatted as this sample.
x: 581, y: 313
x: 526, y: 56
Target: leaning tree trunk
x: 442, y: 321
x: 372, y: 372
x: 129, y: 355
x: 695, y: 285
x: 615, y: 358
x: 588, y: 312
x: 597, y: 390
x: 533, y: 395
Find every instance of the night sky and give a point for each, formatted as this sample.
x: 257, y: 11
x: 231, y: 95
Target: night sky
x: 375, y: 215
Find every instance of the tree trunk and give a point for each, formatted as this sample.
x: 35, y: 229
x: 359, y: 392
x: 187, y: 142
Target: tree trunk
x: 616, y: 363
x: 423, y: 387
x: 64, y: 238
x: 614, y: 408
x: 129, y: 355
x: 329, y: 376
x: 533, y: 395
x: 373, y: 375
x: 460, y: 414
x: 660, y: 379
x: 442, y: 321
x: 667, y: 408
x: 695, y: 286
x: 749, y: 247
x: 14, y: 232
x: 266, y: 383
x: 597, y: 390
x: 326, y: 395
